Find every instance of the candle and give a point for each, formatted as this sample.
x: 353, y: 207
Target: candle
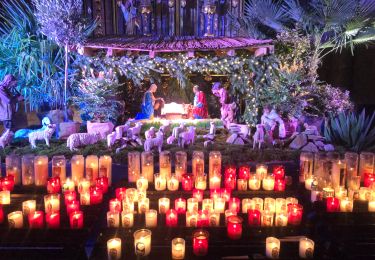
x: 214, y: 181
x: 272, y: 247
x: 77, y: 165
x: 127, y: 205
x: 180, y: 164
x: 164, y: 205
x: 114, y: 248
x: 151, y: 217
x: 208, y: 204
x: 246, y: 204
x: 371, y: 205
x: 280, y: 205
x: 366, y: 163
x: 214, y: 218
x: 279, y: 185
x: 68, y: 184
x: 316, y: 195
x: 15, y: 219
x: 226, y: 194
x: 180, y: 205
x: 113, y: 219
x: 281, y: 219
x: 147, y: 166
x: 292, y: 200
x: 76, y: 220
x: 203, y: 218
x: 253, y: 217
x: 364, y: 193
x: 72, y: 206
x: 142, y: 183
x: 200, y: 242
x: 141, y: 195
x: 142, y: 242
x: 219, y: 205
x: 115, y: 205
x: 53, y: 220
x: 198, y: 163
x: 244, y: 172
x: 234, y: 204
x: 261, y: 171
x: 51, y: 203
x: 308, y: 182
x: 83, y: 186
x: 351, y: 160
x: 143, y: 205
x: 96, y: 195
x: 7, y: 183
x: 198, y: 194
x: 270, y: 204
x: 28, y: 207
x: 242, y: 184
x: 267, y: 218
x: 192, y: 204
x: 173, y: 183
x: 165, y: 166
x: 102, y: 183
x: 36, y: 219
x: 59, y: 167
x: 230, y: 177
x: 254, y: 182
x: 257, y: 203
x: 53, y: 185
x: 191, y: 218
x: 84, y: 198
x: 346, y: 204
x: 131, y: 194
x: 127, y: 219
x: 214, y: 163
x: 295, y: 212
x: 160, y: 182
x: 5, y: 197
x: 27, y: 169
x: 178, y: 248
x: 41, y: 170
x: 105, y: 167
x: 268, y: 183
x: 333, y: 204
x: 13, y: 167
x: 121, y: 193
x: 187, y: 182
x: 306, y: 248
x: 92, y: 168
x: 234, y: 227
x: 341, y: 192
x: 328, y: 192
x: 306, y: 165
x: 171, y: 218
x: 338, y: 173
x: 201, y: 182
x: 369, y: 179
x: 134, y: 167
x: 278, y: 172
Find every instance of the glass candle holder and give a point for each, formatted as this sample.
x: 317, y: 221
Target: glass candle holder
x: 244, y: 172
x: 72, y: 206
x: 333, y: 204
x: 53, y: 220
x: 53, y: 185
x: 148, y: 166
x: 192, y: 204
x: 83, y: 186
x: 268, y: 183
x: 214, y: 164
x: 68, y: 185
x: 254, y: 182
x: 215, y: 181
x: 203, y: 218
x: 368, y: 179
x: 77, y: 165
x: 214, y: 218
x: 171, y: 218
x: 279, y: 185
x: 245, y: 204
x: 96, y: 195
x: 51, y: 203
x: 234, y: 204
x: 234, y: 227
x: 187, y: 182
x: 27, y: 169
x: 219, y: 205
x: 366, y: 163
x: 242, y: 184
x: 114, y: 248
x: 295, y: 212
x: 215, y: 193
x: 364, y: 193
x: 76, y: 220
x: 127, y: 219
x: 180, y: 205
x: 208, y: 204
x: 134, y: 167
x: 346, y: 204
x: 13, y: 167
x: 84, y: 198
x: 261, y: 170
x: 178, y: 248
x: 198, y: 194
x: 92, y: 168
x: 201, y: 182
x: 164, y: 205
x: 270, y: 204
x: 280, y: 205
x: 165, y: 165
x: 105, y: 167
x: 5, y: 197
x: 267, y: 218
x: 59, y: 167
x: 102, y: 182
x: 306, y: 160
x: 191, y: 218
x: 180, y: 164
x: 142, y: 242
x: 278, y: 172
x: 254, y: 217
x: 15, y: 219
x: 173, y: 183
x: 115, y: 205
x: 129, y: 194
x: 127, y: 205
x: 160, y: 182
x: 143, y: 205
x: 257, y: 203
x: 142, y: 183
x: 200, y: 242
x: 198, y: 163
x: 151, y: 218
x: 291, y: 200
x: 351, y: 161
x: 328, y: 192
x: 281, y: 219
x: 7, y: 183
x: 306, y: 248
x: 28, y: 207
x: 272, y: 247
x: 41, y: 170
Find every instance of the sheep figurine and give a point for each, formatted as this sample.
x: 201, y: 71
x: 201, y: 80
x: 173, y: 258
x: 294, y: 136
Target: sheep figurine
x: 121, y: 129
x: 111, y: 139
x: 210, y: 137
x: 6, y: 138
x: 154, y: 142
x: 45, y: 135
x: 150, y: 133
x: 175, y: 133
x: 166, y: 127
x: 82, y: 139
x: 187, y: 137
x: 258, y: 137
x: 133, y: 132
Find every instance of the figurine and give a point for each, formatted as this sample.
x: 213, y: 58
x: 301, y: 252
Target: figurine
x: 228, y: 110
x: 134, y: 131
x: 6, y: 138
x: 166, y: 127
x: 45, y: 134
x: 154, y: 142
x: 239, y: 134
x: 175, y: 133
x: 81, y: 139
x: 150, y: 133
x: 210, y: 137
x: 258, y: 138
x: 121, y: 129
x: 187, y: 137
x: 269, y: 120
x: 111, y: 139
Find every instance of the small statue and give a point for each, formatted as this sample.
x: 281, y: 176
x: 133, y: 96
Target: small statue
x: 187, y: 137
x: 121, y: 129
x: 228, y: 109
x: 154, y: 142
x: 239, y: 134
x: 269, y: 120
x: 111, y: 139
x: 210, y: 137
x: 134, y: 131
x: 45, y: 134
x: 175, y: 133
x: 6, y: 138
x: 166, y: 127
x: 258, y: 137
x: 150, y: 133
x: 82, y: 139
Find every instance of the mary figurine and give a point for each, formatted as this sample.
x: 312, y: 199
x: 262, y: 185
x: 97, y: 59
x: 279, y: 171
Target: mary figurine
x: 147, y: 107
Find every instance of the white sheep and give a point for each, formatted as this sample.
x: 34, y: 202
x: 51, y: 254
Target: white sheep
x: 187, y: 137
x: 82, y: 139
x: 175, y: 133
x: 150, y: 133
x: 6, y: 138
x: 258, y: 137
x: 154, y: 142
x: 111, y: 139
x: 45, y: 135
x: 134, y: 131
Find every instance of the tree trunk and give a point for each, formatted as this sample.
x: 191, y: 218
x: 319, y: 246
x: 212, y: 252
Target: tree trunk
x: 66, y: 79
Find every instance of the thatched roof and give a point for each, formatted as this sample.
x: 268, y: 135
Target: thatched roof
x: 174, y: 44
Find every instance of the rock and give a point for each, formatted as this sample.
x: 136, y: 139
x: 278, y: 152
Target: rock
x: 239, y: 141
x: 298, y: 142
x: 310, y: 147
x: 65, y: 129
x: 329, y: 148
x: 103, y: 128
x: 232, y: 138
x: 320, y: 144
x: 56, y: 116
x: 315, y: 137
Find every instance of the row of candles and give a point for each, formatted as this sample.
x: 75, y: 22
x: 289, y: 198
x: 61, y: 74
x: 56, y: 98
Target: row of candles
x: 200, y: 243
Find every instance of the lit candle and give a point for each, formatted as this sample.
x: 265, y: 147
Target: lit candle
x: 7, y: 183
x: 208, y: 204
x: 272, y: 247
x: 267, y: 218
x: 171, y: 218
x: 291, y: 200
x: 257, y: 203
x: 41, y: 170
x: 198, y: 194
x: 328, y: 192
x: 115, y: 205
x: 96, y: 195
x: 142, y: 183
x: 230, y: 177
x: 201, y: 182
x: 200, y: 242
x: 214, y: 163
x: 165, y: 165
x: 254, y: 182
x: 15, y: 219
x: 148, y: 166
x: 234, y: 227
x: 191, y: 218
x: 366, y: 163
x: 53, y: 185
x: 27, y: 169
x: 341, y: 192
x: 113, y: 219
x: 83, y: 186
x: 143, y: 205
x: 261, y: 171
x: 59, y: 167
x: 131, y: 194
x: 369, y: 179
x: 219, y: 205
x: 203, y: 218
x: 253, y: 217
x: 127, y: 205
x: 308, y: 182
x: 178, y: 248
x: 84, y: 198
x: 13, y: 167
x: 28, y: 207
x: 198, y: 163
x: 279, y: 185
x: 77, y: 165
x: 92, y: 168
x: 281, y: 219
x: 187, y: 182
x: 53, y: 220
x: 51, y: 203
x: 226, y: 194
x: 76, y: 220
x: 214, y: 218
x: 295, y: 212
x: 114, y: 248
x: 134, y: 167
x: 151, y: 218
x: 164, y: 205
x: 192, y: 204
x: 306, y: 248
x: 234, y: 204
x: 105, y: 167
x: 244, y: 172
x: 160, y: 182
x: 72, y: 206
x: 214, y: 181
x: 36, y: 219
x: 346, y: 204
x: 180, y: 164
x: 270, y: 204
x: 333, y: 204
x: 278, y: 172
x: 306, y: 165
x: 371, y: 205
x: 280, y: 205
x: 242, y: 184
x: 142, y: 242
x: 173, y: 183
x: 141, y: 195
x: 268, y: 183
x: 102, y: 183
x: 180, y: 205
x: 68, y: 184
x: 246, y: 204
x: 127, y: 219
x: 121, y: 193
x: 364, y: 193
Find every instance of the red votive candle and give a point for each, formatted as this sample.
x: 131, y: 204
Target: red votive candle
x: 53, y: 220
x: 244, y: 172
x: 215, y: 193
x: 36, y: 219
x: 7, y: 183
x: 53, y: 185
x: 180, y: 205
x: 171, y: 218
x: 1, y: 214
x: 234, y: 227
x: 230, y: 170
x: 76, y: 220
x: 333, y: 204
x: 226, y: 194
x: 230, y: 182
x: 368, y: 179
x: 234, y: 204
x: 253, y: 217
x: 115, y: 205
x: 279, y: 185
x: 203, y: 218
x: 187, y: 182
x: 200, y: 242
x: 96, y: 195
x: 198, y: 194
x: 120, y: 193
x: 69, y: 196
x: 295, y: 212
x: 278, y: 172
x: 102, y: 182
x: 72, y: 206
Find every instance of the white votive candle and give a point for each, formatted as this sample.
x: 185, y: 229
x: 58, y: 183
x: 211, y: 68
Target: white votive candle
x: 114, y: 248
x: 306, y: 248
x: 272, y: 247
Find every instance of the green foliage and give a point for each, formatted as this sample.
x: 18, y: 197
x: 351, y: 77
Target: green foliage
x: 353, y: 131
